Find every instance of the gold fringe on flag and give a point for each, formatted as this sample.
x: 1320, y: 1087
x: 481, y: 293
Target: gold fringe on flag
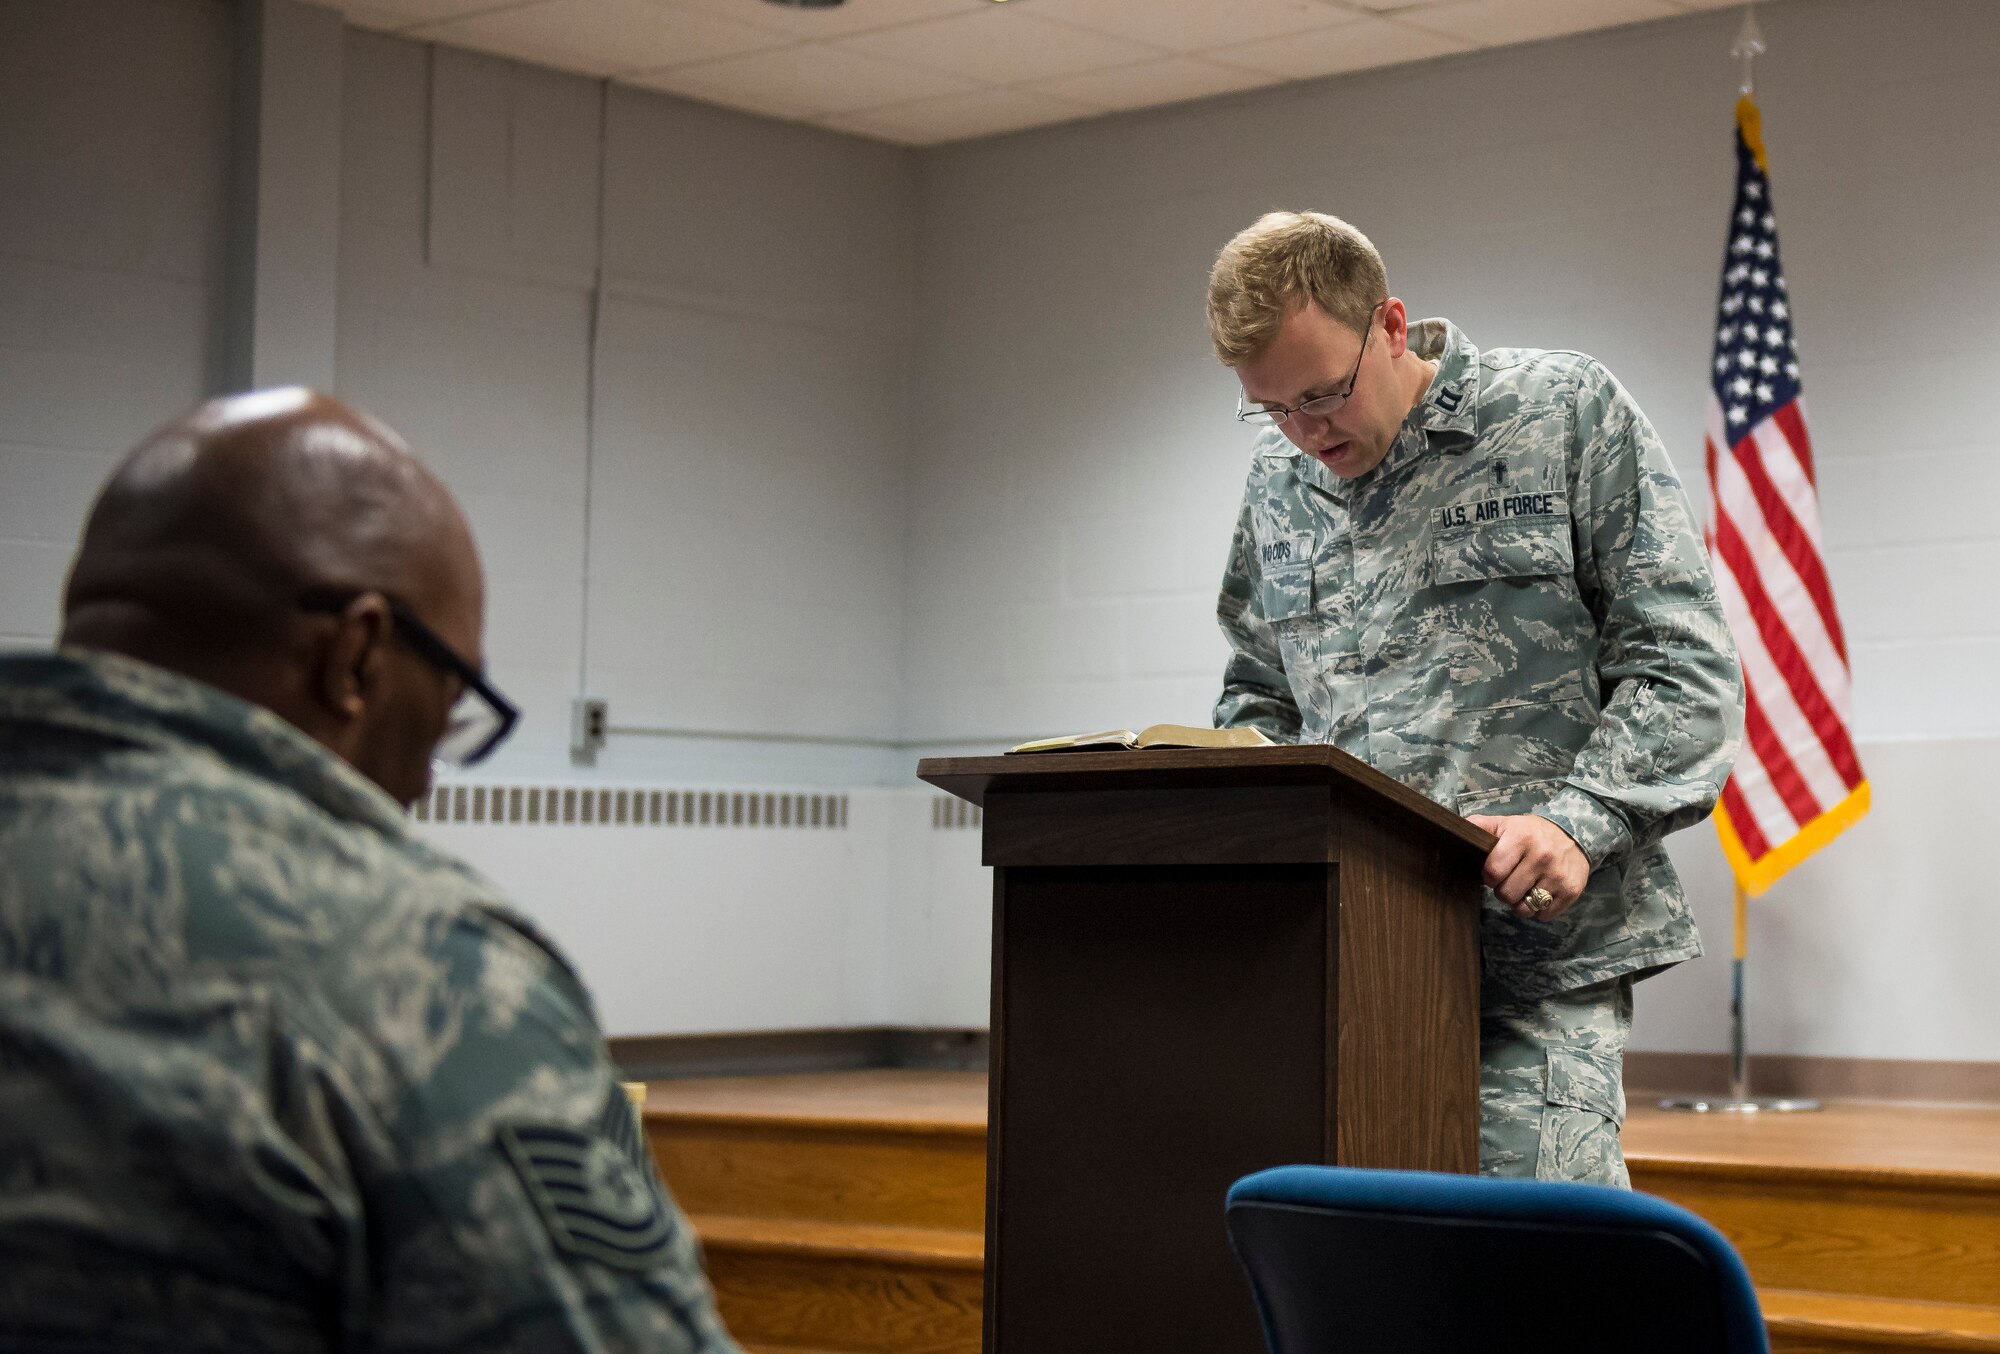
x: 1755, y: 876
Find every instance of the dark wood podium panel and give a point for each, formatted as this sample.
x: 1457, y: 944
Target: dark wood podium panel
x: 974, y: 778
x: 1205, y: 963
x: 1407, y: 1057
x: 1227, y: 825
x: 1155, y: 1014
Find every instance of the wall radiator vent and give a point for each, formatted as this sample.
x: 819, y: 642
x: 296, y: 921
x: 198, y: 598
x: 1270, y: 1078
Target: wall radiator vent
x: 950, y: 813
x: 585, y: 805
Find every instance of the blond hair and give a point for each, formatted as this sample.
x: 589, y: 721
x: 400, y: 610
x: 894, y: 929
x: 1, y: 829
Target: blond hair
x: 1282, y: 260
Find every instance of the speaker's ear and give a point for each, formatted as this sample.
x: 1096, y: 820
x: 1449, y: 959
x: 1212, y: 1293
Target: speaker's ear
x: 1395, y: 327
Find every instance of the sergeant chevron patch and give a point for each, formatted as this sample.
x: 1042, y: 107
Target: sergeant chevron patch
x: 597, y: 1192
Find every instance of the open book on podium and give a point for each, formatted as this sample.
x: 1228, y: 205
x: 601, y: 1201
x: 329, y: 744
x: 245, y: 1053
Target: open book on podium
x: 1150, y: 738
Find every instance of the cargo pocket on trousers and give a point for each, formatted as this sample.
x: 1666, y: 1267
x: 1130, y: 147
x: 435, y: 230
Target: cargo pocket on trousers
x: 1583, y: 1109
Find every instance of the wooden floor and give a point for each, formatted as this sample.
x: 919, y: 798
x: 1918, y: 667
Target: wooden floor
x: 1851, y: 1136
x: 844, y: 1211
x: 1844, y: 1136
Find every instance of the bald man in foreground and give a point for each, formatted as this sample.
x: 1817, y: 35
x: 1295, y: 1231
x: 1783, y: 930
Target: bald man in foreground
x: 274, y: 1074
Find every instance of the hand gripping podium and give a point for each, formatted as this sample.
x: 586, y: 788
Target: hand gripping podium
x: 1205, y: 963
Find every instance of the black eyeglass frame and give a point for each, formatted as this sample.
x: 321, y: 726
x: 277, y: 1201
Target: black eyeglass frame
x: 432, y: 649
x: 1281, y: 414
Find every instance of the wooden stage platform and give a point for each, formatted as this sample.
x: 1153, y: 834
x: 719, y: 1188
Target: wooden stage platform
x: 843, y: 1211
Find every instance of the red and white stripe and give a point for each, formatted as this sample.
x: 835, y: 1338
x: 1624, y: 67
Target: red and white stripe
x: 1798, y: 759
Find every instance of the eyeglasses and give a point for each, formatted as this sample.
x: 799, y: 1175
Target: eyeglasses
x: 1320, y: 406
x: 480, y: 719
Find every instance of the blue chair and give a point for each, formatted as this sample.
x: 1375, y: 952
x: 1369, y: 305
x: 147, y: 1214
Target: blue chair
x: 1345, y: 1261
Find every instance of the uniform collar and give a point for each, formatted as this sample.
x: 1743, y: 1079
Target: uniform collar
x: 1450, y: 405
x: 121, y: 697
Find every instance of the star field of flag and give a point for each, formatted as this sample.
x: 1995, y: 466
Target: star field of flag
x: 1756, y: 361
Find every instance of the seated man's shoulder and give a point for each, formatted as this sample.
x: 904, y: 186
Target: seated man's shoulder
x: 416, y: 923
x: 341, y: 898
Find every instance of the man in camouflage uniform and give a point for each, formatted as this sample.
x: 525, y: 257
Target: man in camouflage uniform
x: 1477, y: 572
x: 274, y: 1074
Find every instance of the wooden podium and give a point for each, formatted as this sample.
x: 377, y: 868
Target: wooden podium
x: 1205, y: 963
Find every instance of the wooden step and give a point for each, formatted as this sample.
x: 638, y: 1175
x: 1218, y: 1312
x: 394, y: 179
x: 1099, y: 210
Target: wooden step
x: 844, y: 1214
x: 938, y: 1247
x: 879, y: 1153
x: 845, y: 1288
x: 1906, y: 1235
x: 1895, y: 1202
x: 838, y: 1214
x: 823, y: 1172
x: 1828, y: 1323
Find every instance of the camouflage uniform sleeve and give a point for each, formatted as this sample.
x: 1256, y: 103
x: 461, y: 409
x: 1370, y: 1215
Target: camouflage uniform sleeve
x: 1255, y: 691
x: 514, y: 1205
x: 1673, y: 695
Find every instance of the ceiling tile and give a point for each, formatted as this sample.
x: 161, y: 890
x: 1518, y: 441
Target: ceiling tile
x: 1351, y: 47
x: 1492, y: 23
x: 843, y: 20
x: 909, y: 70
x: 1191, y: 25
x: 804, y: 81
x: 1171, y: 80
x: 379, y: 18
x: 780, y: 104
x: 958, y: 116
x: 603, y: 37
x: 999, y: 45
x: 395, y: 15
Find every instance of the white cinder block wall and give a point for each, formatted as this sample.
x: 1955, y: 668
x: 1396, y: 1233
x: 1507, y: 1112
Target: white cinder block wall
x: 113, y: 157
x: 877, y: 453
x: 739, y: 511
x: 692, y: 508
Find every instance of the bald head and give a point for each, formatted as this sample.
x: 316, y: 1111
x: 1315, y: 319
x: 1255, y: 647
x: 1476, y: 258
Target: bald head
x: 200, y: 548
x: 204, y: 537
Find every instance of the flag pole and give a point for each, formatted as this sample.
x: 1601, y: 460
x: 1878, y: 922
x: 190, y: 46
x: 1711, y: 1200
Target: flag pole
x: 1740, y: 1100
x: 1748, y: 47
x: 1739, y: 1057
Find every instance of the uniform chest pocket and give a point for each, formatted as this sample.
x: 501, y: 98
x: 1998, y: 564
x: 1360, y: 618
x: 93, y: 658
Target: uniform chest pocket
x: 1286, y: 596
x: 1507, y: 611
x: 1285, y: 560
x: 1518, y: 549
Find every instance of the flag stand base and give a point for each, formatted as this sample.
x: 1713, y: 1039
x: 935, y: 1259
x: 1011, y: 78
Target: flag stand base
x: 1760, y: 1104
x: 1739, y: 1100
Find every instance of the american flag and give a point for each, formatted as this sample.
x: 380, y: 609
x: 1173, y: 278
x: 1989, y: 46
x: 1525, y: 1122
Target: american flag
x: 1797, y: 782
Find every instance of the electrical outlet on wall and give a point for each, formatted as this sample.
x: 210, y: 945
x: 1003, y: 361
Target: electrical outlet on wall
x: 589, y: 718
